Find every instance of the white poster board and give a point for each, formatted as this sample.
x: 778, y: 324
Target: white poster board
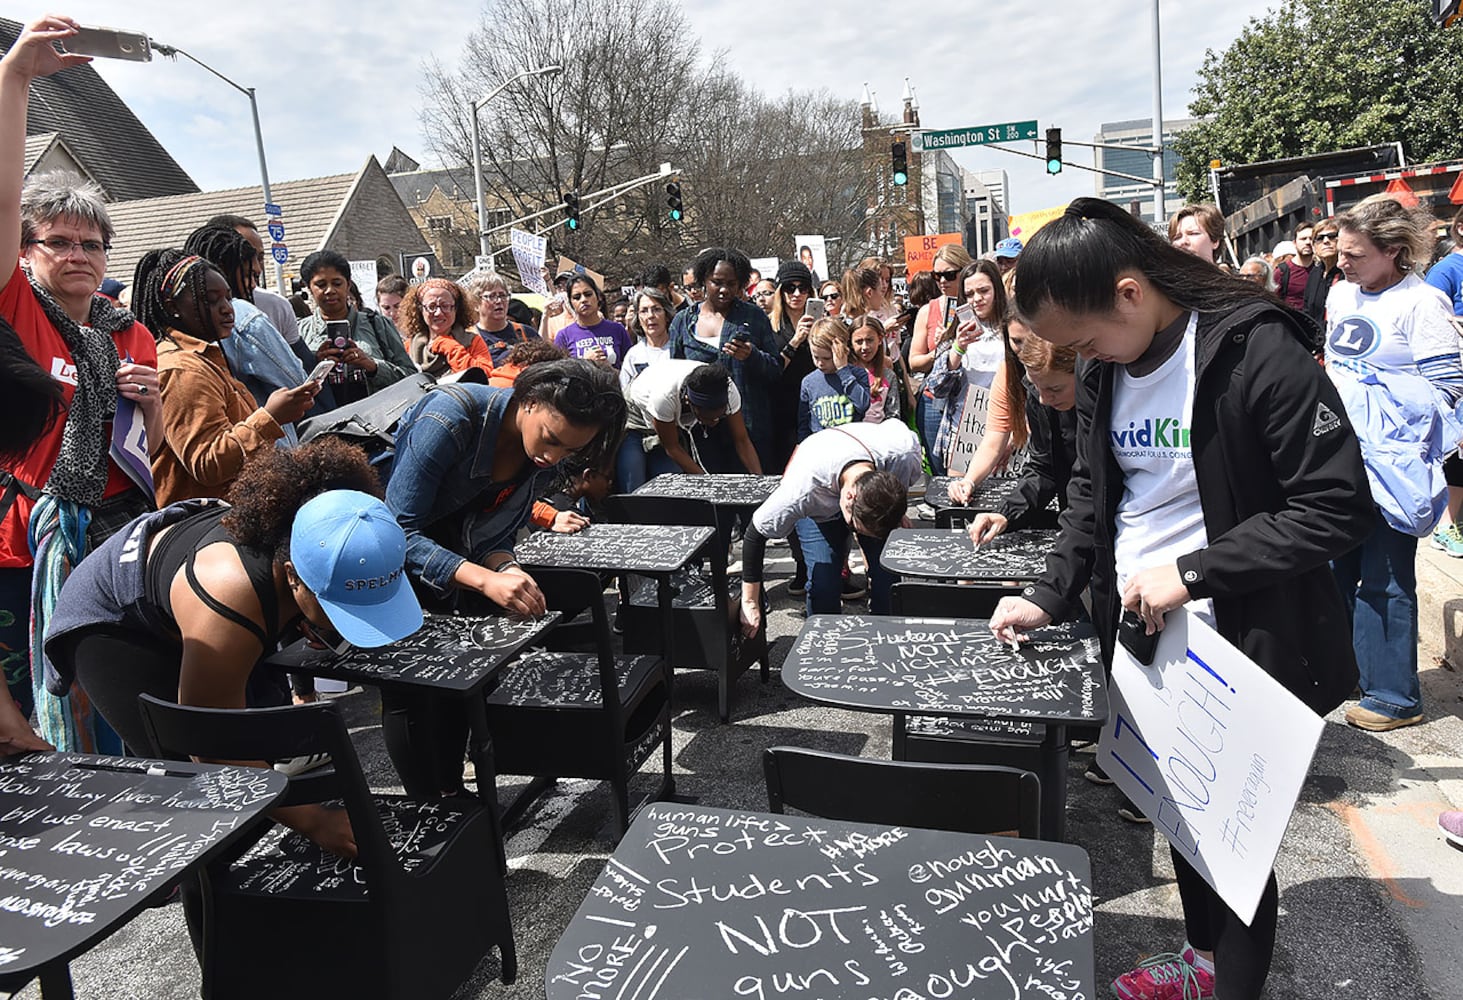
x: 813, y: 251
x: 767, y: 267
x: 1213, y: 750
x: 528, y: 253
x: 363, y: 273
x: 970, y: 430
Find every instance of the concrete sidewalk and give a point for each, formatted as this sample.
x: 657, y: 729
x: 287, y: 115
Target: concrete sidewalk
x: 1371, y: 894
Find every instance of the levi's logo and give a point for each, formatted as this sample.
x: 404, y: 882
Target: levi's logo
x: 63, y: 371
x: 373, y: 582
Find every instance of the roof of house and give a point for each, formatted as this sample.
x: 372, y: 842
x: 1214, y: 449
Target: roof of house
x: 100, y: 131
x: 313, y: 210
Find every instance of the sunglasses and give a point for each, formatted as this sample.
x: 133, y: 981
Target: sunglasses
x: 1324, y: 238
x: 832, y: 296
x: 945, y: 275
x: 797, y: 288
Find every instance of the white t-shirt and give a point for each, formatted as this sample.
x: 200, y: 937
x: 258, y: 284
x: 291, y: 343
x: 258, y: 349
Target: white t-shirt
x: 983, y: 356
x: 656, y: 395
x: 809, y: 486
x: 1159, y: 517
x: 1395, y: 329
x: 640, y: 357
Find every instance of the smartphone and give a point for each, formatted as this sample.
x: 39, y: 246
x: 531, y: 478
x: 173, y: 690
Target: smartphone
x: 318, y: 373
x: 965, y: 312
x: 338, y: 332
x: 742, y: 338
x: 816, y: 308
x: 1132, y: 633
x: 109, y: 43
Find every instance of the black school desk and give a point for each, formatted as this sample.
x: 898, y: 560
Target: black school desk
x: 955, y: 667
x: 451, y: 656
x: 87, y: 842
x: 988, y: 495
x: 698, y: 903
x: 717, y: 489
x: 949, y: 554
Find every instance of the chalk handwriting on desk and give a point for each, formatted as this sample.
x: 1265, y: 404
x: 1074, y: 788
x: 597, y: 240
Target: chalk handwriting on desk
x: 447, y: 649
x: 942, y: 665
x: 646, y: 547
x: 727, y: 489
x: 947, y: 553
x: 711, y: 903
x: 989, y: 494
x: 83, y: 838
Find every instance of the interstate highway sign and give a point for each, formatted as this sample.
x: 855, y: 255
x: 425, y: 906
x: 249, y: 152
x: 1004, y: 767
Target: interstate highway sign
x: 979, y: 135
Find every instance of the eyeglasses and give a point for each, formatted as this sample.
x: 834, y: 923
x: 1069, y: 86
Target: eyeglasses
x: 1324, y: 238
x: 62, y: 247
x: 496, y: 297
x: 945, y: 275
x: 797, y: 288
x: 763, y: 295
x: 439, y: 307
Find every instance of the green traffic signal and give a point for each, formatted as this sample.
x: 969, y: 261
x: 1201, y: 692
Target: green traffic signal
x: 1053, y: 150
x: 899, y: 158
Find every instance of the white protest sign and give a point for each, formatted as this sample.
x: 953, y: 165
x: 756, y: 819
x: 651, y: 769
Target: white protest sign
x: 528, y: 253
x: 970, y: 430
x: 766, y: 266
x: 363, y: 273
x: 1213, y: 750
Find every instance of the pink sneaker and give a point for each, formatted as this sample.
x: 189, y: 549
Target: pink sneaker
x: 1451, y: 824
x: 1165, y: 976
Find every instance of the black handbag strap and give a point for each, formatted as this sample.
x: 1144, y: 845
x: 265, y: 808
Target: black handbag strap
x: 13, y: 488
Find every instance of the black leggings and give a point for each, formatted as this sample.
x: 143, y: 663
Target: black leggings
x: 1241, y: 954
x: 114, y: 665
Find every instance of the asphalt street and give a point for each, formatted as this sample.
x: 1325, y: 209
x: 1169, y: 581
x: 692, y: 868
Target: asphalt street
x: 1371, y: 895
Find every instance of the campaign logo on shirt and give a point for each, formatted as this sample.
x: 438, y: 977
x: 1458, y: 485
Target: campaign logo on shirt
x: 1158, y: 437
x: 1355, y: 337
x: 63, y: 371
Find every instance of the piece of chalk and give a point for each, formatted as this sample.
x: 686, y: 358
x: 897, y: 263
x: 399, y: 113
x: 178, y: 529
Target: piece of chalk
x: 1015, y: 646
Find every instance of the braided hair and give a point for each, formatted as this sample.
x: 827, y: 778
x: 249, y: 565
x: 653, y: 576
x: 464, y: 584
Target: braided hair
x: 155, y: 297
x: 233, y: 255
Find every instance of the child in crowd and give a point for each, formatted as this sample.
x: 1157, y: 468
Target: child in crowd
x: 867, y: 339
x: 836, y: 392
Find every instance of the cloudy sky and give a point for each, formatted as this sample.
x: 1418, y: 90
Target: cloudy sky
x: 342, y: 83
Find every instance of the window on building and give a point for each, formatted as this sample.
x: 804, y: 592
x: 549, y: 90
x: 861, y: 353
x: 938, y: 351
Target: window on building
x: 439, y: 223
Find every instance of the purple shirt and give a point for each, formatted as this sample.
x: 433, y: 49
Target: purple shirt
x: 608, y: 334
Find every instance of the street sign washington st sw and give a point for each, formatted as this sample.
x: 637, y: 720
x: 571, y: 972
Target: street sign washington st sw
x: 979, y: 135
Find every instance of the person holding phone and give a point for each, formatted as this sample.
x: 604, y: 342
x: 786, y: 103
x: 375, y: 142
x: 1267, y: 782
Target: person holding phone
x: 1234, y: 516
x: 726, y: 329
x: 931, y: 323
x: 591, y: 336
x: 211, y: 424
x: 970, y: 353
x: 369, y: 344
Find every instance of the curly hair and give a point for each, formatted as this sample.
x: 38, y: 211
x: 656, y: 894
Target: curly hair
x: 534, y: 351
x: 409, y: 313
x: 273, y: 485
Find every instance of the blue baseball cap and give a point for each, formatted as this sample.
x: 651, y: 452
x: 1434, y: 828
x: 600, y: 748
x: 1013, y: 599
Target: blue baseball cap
x: 351, y: 553
x: 1009, y: 247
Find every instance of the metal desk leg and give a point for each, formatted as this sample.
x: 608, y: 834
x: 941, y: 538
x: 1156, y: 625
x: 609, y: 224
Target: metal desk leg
x: 1054, y: 783
x: 668, y: 629
x: 56, y: 981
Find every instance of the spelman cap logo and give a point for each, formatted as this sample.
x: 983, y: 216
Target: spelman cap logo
x: 374, y: 582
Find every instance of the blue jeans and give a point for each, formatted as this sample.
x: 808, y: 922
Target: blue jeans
x: 1378, y: 581
x: 825, y: 549
x: 634, y: 466
x: 928, y: 412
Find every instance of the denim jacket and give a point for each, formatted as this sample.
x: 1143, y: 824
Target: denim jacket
x: 440, y: 478
x: 260, y: 358
x: 754, y: 377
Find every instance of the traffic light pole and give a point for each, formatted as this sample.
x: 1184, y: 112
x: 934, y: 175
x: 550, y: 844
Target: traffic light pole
x: 1068, y: 163
x: 1159, y: 209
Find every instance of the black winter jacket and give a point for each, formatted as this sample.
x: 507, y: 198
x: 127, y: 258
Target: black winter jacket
x: 1283, y: 493
x: 1052, y: 451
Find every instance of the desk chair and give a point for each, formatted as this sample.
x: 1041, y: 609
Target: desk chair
x: 412, y: 916
x: 561, y: 714
x: 707, y: 608
x: 964, y: 798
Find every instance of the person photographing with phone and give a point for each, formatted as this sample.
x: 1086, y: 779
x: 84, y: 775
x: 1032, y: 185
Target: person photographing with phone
x: 366, y: 348
x: 1183, y: 357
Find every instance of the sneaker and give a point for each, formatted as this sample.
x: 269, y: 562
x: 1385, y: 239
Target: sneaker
x: 853, y: 590
x: 799, y: 584
x: 1130, y: 812
x: 1096, y: 774
x: 296, y: 766
x: 1376, y: 722
x: 1451, y: 823
x: 1449, y: 540
x: 1164, y: 977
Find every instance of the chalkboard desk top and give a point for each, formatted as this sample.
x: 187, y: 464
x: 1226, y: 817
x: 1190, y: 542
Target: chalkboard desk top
x: 450, y: 653
x: 87, y: 841
x: 948, y: 666
x: 990, y: 494
x: 720, y: 489
x: 628, y: 548
x: 699, y: 903
x: 948, y: 554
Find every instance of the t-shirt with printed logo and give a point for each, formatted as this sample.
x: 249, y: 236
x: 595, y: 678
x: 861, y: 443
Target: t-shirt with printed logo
x: 1159, y: 517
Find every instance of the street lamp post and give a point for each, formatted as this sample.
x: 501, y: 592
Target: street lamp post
x: 477, y: 146
x: 172, y: 52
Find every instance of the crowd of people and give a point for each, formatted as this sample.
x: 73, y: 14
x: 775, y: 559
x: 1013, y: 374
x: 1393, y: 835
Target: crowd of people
x: 1285, y: 513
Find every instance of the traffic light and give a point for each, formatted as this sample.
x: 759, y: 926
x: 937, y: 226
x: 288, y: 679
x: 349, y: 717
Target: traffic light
x: 571, y: 209
x: 673, y: 200
x: 1053, y: 150
x: 899, y: 153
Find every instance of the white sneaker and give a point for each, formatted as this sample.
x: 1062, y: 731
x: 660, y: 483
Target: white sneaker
x: 296, y: 766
